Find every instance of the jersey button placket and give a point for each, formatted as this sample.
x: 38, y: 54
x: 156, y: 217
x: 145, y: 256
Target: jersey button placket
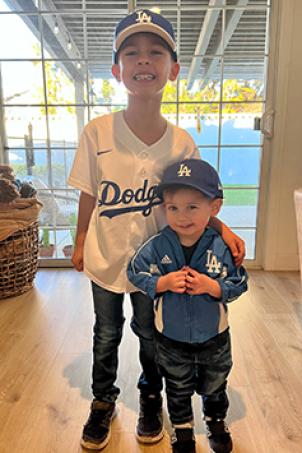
x: 143, y: 156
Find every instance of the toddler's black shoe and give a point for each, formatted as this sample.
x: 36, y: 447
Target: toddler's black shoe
x: 149, y: 428
x: 219, y: 435
x: 183, y: 441
x: 96, y: 432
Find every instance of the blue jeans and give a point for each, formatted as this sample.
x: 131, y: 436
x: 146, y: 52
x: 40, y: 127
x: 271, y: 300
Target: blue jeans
x: 189, y: 368
x: 108, y: 329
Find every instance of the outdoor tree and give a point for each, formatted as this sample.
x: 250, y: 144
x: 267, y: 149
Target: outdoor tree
x: 242, y: 91
x: 107, y: 91
x: 247, y: 95
x: 59, y: 88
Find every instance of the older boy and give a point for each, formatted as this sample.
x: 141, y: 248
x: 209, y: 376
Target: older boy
x: 117, y: 167
x: 189, y: 272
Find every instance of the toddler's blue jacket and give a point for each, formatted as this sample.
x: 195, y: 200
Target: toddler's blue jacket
x: 182, y: 317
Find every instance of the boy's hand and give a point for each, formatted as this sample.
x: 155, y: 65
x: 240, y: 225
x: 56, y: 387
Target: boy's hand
x: 236, y: 245
x: 77, y: 258
x: 200, y: 283
x: 174, y: 281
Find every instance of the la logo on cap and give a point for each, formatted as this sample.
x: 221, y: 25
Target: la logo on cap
x: 184, y: 170
x: 142, y: 17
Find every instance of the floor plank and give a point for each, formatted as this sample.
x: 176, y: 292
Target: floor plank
x: 45, y: 350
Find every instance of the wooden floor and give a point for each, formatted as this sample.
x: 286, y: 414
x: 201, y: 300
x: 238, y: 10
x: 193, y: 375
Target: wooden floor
x: 45, y: 367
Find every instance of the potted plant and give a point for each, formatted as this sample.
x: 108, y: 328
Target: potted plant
x: 68, y: 249
x: 46, y: 248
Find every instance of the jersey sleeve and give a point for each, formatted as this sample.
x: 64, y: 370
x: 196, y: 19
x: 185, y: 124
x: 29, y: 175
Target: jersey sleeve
x: 83, y: 174
x: 142, y: 270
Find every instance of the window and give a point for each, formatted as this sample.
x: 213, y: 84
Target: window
x: 57, y: 76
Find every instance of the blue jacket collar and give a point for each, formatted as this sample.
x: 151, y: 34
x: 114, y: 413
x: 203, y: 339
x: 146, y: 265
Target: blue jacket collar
x: 170, y: 234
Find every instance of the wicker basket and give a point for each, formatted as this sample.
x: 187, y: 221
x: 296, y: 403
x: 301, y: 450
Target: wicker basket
x: 19, y: 261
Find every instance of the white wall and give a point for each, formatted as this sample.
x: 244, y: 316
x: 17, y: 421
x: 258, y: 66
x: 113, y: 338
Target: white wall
x: 283, y: 164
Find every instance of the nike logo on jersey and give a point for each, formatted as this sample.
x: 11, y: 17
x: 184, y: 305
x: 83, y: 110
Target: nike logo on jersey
x: 110, y: 194
x: 104, y: 151
x: 166, y: 260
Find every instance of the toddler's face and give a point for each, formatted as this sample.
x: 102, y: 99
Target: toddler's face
x: 188, y: 212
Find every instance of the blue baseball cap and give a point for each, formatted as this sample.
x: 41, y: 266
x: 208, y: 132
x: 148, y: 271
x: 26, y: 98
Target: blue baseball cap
x: 194, y: 173
x: 145, y: 21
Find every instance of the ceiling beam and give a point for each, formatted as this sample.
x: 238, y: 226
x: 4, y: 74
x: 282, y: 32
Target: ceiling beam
x: 131, y: 6
x: 206, y: 32
x: 230, y: 27
x: 56, y: 44
x: 221, y: 44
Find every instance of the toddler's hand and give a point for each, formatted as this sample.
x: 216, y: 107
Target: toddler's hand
x: 200, y: 283
x: 174, y: 281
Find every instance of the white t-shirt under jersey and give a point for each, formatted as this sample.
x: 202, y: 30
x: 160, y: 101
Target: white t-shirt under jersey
x: 121, y: 171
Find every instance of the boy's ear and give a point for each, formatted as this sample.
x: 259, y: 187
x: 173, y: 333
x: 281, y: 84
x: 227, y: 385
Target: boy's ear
x: 115, y: 70
x: 215, y: 206
x: 174, y: 71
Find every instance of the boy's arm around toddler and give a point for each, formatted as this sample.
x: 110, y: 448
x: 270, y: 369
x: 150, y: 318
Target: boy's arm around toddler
x: 232, y: 280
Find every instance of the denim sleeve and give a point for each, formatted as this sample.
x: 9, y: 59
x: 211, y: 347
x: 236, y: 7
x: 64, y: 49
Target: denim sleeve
x: 142, y: 272
x: 233, y: 280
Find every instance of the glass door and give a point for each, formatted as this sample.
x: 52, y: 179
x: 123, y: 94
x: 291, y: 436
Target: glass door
x: 57, y: 75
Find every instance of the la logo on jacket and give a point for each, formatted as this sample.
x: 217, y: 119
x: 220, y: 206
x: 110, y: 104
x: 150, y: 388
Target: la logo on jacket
x: 213, y: 265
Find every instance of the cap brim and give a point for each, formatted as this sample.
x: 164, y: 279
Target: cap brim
x: 144, y: 28
x: 161, y: 187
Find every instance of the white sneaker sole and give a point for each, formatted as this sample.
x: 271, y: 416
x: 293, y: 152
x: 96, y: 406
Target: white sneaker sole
x: 96, y: 447
x: 212, y: 451
x: 88, y: 445
x: 149, y: 439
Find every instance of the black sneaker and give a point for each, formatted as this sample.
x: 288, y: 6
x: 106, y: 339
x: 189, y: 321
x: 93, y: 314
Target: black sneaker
x: 149, y: 428
x: 219, y: 435
x: 183, y: 441
x: 96, y: 432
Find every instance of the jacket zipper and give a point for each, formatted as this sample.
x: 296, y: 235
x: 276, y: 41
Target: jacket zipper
x: 190, y: 318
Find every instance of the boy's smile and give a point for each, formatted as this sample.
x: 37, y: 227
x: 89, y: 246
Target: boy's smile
x: 144, y: 76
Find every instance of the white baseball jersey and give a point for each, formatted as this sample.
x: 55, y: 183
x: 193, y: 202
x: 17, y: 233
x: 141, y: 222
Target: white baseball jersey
x: 121, y: 171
